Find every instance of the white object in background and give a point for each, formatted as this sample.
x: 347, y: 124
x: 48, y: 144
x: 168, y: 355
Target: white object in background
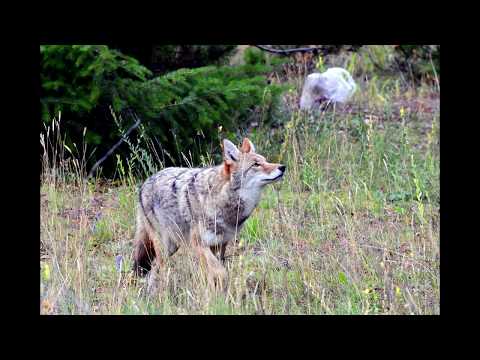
x: 335, y: 85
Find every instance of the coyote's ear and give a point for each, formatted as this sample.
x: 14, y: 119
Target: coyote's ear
x: 247, y: 146
x: 230, y: 151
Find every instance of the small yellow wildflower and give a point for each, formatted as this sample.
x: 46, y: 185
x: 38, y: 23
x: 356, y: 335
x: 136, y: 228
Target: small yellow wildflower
x: 46, y: 272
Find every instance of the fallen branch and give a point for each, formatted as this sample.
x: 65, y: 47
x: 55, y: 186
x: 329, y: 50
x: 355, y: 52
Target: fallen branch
x: 119, y: 142
x: 290, y: 51
x: 315, y: 50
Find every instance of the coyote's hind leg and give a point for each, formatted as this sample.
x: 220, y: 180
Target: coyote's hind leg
x: 165, y: 247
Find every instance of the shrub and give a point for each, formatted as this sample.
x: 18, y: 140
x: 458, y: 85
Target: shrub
x: 254, y: 56
x: 76, y: 77
x: 420, y: 61
x: 188, y: 105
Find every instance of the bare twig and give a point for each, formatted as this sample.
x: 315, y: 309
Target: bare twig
x: 286, y: 52
x: 119, y: 142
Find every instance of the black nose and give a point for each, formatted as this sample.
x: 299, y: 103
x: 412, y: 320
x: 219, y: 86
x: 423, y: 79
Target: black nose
x: 282, y: 168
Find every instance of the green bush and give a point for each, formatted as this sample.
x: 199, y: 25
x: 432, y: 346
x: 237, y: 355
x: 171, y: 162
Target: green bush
x: 190, y: 104
x: 76, y: 78
x: 420, y: 61
x: 186, y: 105
x: 254, y: 56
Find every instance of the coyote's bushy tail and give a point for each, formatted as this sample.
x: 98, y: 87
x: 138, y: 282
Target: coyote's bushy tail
x: 144, y: 252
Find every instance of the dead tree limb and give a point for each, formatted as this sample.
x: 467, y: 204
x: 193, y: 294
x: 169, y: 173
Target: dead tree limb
x: 316, y: 50
x: 290, y: 51
x: 119, y: 142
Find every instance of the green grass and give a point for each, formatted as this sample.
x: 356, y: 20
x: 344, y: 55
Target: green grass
x: 352, y: 229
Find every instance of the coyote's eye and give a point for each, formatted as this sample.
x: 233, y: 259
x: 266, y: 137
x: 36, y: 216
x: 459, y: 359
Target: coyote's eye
x: 256, y: 164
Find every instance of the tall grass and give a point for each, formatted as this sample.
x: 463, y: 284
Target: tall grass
x: 352, y: 229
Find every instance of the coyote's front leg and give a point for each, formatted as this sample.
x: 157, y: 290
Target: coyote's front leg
x: 216, y: 273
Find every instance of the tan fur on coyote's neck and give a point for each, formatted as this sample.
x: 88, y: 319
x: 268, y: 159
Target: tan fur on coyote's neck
x: 227, y: 193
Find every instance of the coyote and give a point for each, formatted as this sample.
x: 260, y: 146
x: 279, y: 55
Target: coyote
x: 202, y: 207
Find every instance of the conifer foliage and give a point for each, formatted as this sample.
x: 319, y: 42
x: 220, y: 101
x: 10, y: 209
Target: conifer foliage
x: 86, y: 82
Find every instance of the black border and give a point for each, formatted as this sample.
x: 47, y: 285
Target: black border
x: 26, y: 211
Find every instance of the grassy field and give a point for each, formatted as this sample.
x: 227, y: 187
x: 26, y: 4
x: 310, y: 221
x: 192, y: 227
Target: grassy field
x: 352, y: 229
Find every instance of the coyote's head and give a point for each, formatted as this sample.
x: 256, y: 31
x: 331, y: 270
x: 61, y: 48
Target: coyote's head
x: 247, y: 169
